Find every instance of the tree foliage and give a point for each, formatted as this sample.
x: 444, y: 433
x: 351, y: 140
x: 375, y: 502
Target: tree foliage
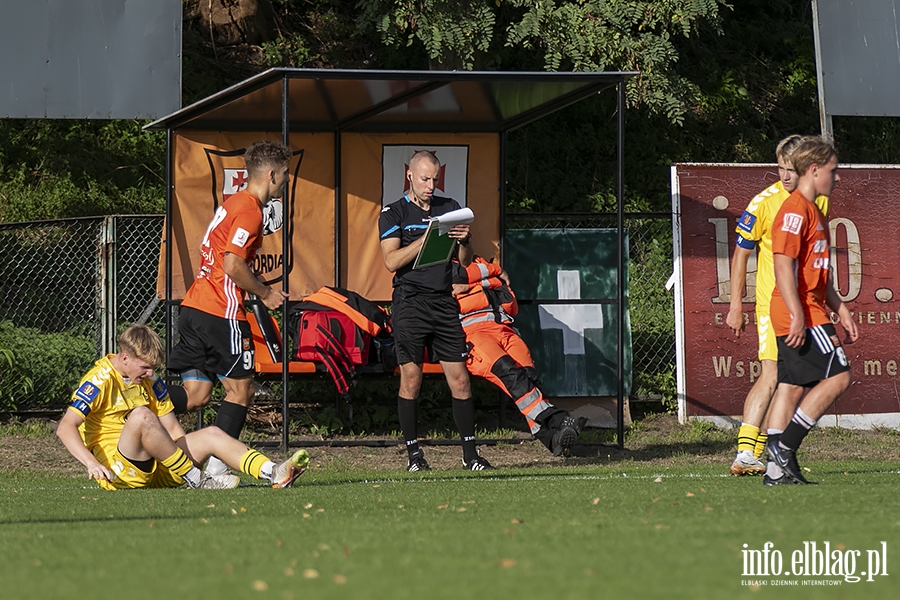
x: 555, y: 35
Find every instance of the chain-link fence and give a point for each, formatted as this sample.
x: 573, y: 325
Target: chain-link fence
x: 68, y: 287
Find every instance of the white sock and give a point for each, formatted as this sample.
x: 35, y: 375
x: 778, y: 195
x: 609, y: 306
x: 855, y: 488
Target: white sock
x: 774, y: 471
x: 266, y: 470
x: 193, y: 477
x: 214, y: 466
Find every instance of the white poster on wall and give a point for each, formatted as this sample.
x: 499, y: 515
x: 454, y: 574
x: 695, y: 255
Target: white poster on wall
x: 452, y: 181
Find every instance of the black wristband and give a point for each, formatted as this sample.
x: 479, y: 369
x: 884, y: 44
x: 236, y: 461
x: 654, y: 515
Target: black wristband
x: 464, y: 241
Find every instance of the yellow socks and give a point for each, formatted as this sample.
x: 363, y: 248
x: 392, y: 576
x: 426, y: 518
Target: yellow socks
x: 747, y: 436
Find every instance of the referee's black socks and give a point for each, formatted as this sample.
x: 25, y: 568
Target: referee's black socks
x: 408, y: 413
x: 464, y: 415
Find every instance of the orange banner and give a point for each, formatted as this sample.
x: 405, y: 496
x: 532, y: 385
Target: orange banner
x: 207, y: 167
x: 204, y: 171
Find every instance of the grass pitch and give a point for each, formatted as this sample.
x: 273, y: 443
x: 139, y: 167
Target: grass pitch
x: 607, y: 531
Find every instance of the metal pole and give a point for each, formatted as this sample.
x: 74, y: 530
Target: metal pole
x: 620, y: 268
x: 825, y: 122
x: 285, y: 253
x: 503, y: 140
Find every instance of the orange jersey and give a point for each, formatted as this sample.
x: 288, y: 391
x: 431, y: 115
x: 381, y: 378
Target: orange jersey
x: 800, y: 231
x: 235, y: 228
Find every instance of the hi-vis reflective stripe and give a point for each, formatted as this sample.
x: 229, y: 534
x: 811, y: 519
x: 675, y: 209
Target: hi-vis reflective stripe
x: 529, y: 403
x: 480, y: 317
x: 484, y: 274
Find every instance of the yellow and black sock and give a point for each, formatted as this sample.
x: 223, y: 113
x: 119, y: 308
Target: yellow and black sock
x: 747, y: 436
x: 253, y: 462
x: 761, y: 440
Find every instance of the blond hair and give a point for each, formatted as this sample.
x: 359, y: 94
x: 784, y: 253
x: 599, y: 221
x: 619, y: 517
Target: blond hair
x: 141, y: 342
x: 786, y: 147
x: 812, y: 151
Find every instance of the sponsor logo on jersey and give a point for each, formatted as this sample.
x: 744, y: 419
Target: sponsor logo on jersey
x: 87, y: 392
x: 747, y: 221
x: 820, y: 246
x: 792, y: 223
x: 240, y: 237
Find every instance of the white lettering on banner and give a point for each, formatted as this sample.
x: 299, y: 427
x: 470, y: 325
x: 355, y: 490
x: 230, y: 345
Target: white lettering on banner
x: 572, y: 319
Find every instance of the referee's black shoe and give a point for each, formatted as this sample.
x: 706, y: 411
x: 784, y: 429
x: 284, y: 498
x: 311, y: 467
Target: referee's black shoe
x: 479, y: 463
x: 786, y: 458
x: 417, y: 463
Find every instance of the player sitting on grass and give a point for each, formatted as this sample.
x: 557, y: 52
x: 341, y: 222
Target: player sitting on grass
x: 487, y: 306
x: 120, y: 425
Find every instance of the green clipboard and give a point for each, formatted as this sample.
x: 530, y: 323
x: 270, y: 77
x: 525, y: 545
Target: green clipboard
x: 436, y: 249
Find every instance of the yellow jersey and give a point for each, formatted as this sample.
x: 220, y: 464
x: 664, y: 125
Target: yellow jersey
x: 104, y: 399
x: 754, y: 230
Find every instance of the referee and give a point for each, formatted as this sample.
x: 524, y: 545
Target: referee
x: 425, y: 313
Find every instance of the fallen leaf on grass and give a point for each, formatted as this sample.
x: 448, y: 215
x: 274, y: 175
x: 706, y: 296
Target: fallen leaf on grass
x: 308, y: 505
x: 204, y: 520
x: 288, y: 572
x: 243, y: 510
x: 320, y: 510
x: 708, y: 507
x: 210, y: 506
x: 260, y: 585
x: 516, y: 521
x: 510, y: 532
x: 346, y: 550
x: 661, y: 526
x: 310, y: 573
x: 468, y: 502
x: 595, y: 501
x: 443, y: 506
x: 654, y: 499
x: 507, y: 562
x: 377, y: 485
x: 339, y: 579
x: 305, y: 515
x: 234, y: 512
x: 657, y: 480
x: 690, y: 494
x: 461, y: 509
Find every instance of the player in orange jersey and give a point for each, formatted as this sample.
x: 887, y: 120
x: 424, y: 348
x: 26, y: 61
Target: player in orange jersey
x: 810, y: 356
x: 214, y: 337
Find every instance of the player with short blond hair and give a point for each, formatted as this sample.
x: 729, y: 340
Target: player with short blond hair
x: 754, y: 236
x: 120, y: 425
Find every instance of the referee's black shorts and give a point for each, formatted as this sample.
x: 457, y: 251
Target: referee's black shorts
x: 431, y: 320
x: 820, y: 357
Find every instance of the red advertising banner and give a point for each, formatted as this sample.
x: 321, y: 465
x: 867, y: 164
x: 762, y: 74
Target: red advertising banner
x: 715, y: 369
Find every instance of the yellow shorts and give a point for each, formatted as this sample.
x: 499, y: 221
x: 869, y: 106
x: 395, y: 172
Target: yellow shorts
x: 127, y: 476
x: 768, y: 347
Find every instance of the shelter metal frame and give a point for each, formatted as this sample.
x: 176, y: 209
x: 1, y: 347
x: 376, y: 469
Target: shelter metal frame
x: 513, y: 100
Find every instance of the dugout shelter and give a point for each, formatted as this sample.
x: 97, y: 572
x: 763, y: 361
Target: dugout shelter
x: 352, y: 133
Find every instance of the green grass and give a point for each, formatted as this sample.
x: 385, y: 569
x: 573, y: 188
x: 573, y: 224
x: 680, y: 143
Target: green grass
x: 624, y: 531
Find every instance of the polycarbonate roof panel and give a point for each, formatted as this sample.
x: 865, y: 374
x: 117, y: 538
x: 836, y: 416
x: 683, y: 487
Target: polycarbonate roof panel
x: 352, y: 100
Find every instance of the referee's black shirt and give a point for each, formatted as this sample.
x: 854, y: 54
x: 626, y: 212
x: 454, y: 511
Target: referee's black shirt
x: 405, y: 220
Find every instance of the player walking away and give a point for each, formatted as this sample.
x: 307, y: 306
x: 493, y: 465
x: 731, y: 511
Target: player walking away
x: 754, y: 231
x: 810, y: 355
x: 497, y: 353
x: 424, y: 312
x: 121, y: 426
x: 214, y: 336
